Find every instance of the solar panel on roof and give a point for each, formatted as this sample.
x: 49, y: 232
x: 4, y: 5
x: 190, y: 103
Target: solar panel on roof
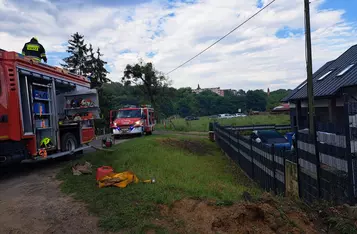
x: 326, y: 74
x: 331, y: 86
x: 302, y: 85
x: 345, y: 70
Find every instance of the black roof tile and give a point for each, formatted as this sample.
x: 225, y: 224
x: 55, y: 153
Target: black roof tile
x: 294, y: 91
x: 331, y: 84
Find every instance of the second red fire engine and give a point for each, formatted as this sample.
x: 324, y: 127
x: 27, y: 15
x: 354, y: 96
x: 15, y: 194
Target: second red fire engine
x: 132, y: 120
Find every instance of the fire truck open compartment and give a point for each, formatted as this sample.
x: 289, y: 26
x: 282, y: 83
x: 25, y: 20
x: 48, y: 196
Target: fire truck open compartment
x: 46, y: 102
x: 44, y: 105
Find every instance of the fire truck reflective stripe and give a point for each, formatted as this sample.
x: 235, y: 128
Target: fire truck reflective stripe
x: 34, y: 58
x: 4, y: 137
x: 43, y: 55
x: 32, y: 47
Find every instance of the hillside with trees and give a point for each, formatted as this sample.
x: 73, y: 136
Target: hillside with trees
x: 275, y: 97
x: 170, y: 101
x: 141, y: 83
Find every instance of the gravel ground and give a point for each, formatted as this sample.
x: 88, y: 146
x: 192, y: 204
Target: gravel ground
x: 31, y: 201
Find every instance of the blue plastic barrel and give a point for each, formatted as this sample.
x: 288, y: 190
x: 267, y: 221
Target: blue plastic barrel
x: 289, y: 137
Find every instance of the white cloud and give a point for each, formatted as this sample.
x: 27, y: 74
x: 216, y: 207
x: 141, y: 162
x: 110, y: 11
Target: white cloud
x: 252, y: 57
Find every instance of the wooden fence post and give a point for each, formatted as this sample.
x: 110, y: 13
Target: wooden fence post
x: 348, y: 151
x: 318, y: 163
x: 211, y: 132
x: 251, y: 156
x: 297, y: 160
x: 272, y: 151
x: 230, y: 137
x: 284, y: 166
x: 238, y: 146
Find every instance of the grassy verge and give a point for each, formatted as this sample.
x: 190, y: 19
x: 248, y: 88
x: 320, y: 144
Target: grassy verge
x: 202, y: 124
x: 183, y: 168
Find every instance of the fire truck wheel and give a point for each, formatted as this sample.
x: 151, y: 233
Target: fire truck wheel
x: 68, y: 142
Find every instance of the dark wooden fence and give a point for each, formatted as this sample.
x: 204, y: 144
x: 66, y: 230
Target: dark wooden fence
x: 318, y: 168
x: 323, y: 167
x: 262, y: 164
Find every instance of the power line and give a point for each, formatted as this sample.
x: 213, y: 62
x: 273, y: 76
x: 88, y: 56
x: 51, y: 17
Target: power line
x: 240, y: 25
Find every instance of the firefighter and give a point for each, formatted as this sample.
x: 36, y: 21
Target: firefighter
x: 34, y: 50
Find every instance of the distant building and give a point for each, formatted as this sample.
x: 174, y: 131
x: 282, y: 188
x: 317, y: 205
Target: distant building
x: 233, y: 91
x: 216, y: 90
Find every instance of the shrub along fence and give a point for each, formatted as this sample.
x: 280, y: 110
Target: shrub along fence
x: 317, y: 169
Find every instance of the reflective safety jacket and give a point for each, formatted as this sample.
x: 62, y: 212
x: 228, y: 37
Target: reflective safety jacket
x: 35, y: 50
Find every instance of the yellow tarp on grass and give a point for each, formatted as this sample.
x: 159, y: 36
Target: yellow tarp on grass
x: 120, y: 180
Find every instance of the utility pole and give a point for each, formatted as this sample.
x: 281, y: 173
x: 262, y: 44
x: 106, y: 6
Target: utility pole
x: 310, y: 89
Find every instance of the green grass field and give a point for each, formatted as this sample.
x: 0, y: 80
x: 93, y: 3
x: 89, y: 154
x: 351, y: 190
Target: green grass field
x: 202, y: 124
x: 183, y: 167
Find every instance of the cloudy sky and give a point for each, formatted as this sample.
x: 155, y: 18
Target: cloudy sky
x: 268, y: 51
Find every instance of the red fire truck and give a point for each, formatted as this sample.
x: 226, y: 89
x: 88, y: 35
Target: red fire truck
x: 45, y: 112
x: 132, y: 120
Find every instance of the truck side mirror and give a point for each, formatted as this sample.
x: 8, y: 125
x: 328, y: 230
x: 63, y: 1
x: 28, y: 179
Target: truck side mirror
x: 113, y: 115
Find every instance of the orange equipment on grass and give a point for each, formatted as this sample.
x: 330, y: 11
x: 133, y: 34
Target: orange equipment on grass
x: 120, y: 180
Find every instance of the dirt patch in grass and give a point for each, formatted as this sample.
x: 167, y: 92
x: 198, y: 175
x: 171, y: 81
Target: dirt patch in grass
x: 193, y: 146
x: 31, y: 202
x: 202, y: 216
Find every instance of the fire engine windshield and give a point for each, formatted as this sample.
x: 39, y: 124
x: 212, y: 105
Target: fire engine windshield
x: 129, y: 114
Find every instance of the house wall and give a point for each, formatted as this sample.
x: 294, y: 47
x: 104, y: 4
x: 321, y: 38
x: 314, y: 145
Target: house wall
x: 326, y: 111
x: 322, y: 103
x: 323, y: 114
x: 302, y: 121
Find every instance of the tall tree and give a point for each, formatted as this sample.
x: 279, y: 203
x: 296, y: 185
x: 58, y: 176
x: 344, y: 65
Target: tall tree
x: 256, y: 100
x: 96, y: 68
x: 77, y: 61
x: 241, y: 92
x: 147, y: 78
x: 90, y: 61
